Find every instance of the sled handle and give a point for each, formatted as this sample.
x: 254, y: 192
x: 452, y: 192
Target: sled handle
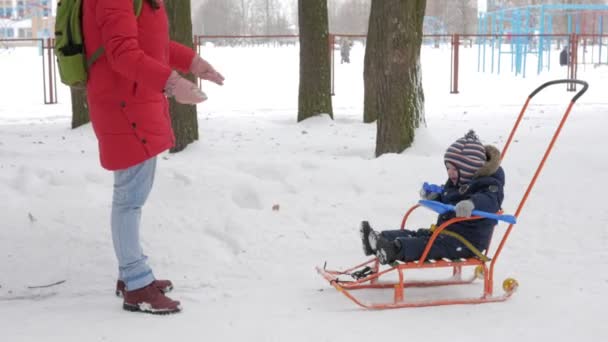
x: 442, y: 208
x: 550, y: 83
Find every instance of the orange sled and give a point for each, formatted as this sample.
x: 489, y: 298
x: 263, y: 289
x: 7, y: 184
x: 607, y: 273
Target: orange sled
x: 370, y: 274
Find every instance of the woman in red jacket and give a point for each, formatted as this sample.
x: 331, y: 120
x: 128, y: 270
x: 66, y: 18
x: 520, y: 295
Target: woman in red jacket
x: 126, y: 92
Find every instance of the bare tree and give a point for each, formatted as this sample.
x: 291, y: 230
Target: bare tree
x: 457, y: 16
x: 350, y: 16
x: 219, y: 17
x: 315, y: 79
x: 268, y: 17
x: 393, y: 84
x: 241, y: 17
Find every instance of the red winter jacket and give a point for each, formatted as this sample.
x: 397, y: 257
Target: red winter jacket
x: 129, y: 112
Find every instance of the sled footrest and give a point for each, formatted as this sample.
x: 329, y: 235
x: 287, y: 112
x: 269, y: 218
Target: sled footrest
x: 444, y: 262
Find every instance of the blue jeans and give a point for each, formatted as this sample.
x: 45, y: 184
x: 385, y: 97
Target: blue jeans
x: 131, y: 189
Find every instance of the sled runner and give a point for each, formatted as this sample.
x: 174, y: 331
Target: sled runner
x: 371, y: 275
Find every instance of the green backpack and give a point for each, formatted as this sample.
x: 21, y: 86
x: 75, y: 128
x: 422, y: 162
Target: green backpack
x: 69, y: 45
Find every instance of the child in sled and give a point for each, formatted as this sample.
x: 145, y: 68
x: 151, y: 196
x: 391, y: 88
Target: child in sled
x: 475, y: 182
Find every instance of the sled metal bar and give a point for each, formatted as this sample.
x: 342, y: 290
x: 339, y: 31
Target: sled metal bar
x: 418, y: 304
x: 406, y: 304
x: 555, y: 135
x: 348, y: 271
x: 436, y: 233
x: 488, y: 279
x: 408, y: 284
x: 407, y: 214
x: 457, y: 269
x: 399, y: 293
x: 514, y: 129
x: 525, y: 107
x: 439, y: 302
x: 332, y: 276
x: 545, y: 156
x: 347, y: 294
x: 542, y: 162
x: 409, y: 265
x: 550, y: 83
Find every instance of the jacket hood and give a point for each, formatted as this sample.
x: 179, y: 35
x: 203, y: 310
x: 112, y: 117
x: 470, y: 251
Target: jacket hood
x: 492, y: 163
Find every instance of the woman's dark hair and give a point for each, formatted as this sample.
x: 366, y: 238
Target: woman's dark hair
x: 153, y: 3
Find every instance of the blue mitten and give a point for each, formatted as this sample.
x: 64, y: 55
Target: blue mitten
x: 430, y: 191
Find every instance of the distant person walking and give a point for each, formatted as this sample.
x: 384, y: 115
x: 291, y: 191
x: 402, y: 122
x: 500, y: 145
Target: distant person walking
x: 564, y: 56
x: 126, y: 92
x: 345, y: 46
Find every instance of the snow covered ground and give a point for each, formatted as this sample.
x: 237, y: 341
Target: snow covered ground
x: 245, y: 271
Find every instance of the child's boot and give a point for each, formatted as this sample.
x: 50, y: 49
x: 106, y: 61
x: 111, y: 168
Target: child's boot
x: 387, y: 251
x: 365, y: 230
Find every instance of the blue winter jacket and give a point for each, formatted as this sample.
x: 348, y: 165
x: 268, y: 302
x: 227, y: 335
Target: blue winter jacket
x: 486, y: 192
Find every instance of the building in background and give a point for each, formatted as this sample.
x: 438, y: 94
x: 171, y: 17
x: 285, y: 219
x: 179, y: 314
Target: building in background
x: 457, y: 16
x: 26, y: 19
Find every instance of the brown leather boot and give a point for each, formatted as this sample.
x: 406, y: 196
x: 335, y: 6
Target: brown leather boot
x: 163, y: 285
x: 151, y: 300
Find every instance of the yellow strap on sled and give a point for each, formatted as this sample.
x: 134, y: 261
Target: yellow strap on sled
x: 464, y: 241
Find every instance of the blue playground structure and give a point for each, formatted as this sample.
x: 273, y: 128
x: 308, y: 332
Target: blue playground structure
x: 520, y: 31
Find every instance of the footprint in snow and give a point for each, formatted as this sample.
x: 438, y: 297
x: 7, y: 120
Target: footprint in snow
x: 246, y: 197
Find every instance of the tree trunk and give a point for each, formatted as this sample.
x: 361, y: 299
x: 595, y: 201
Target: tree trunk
x: 80, y: 109
x: 183, y: 117
x: 371, y: 65
x: 315, y: 73
x: 393, y: 84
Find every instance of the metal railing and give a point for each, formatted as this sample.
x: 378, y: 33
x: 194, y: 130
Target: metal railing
x: 483, y: 42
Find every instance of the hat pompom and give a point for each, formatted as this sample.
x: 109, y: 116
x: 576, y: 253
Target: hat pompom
x: 471, y: 135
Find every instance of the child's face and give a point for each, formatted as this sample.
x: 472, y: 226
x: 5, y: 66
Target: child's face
x: 452, y: 173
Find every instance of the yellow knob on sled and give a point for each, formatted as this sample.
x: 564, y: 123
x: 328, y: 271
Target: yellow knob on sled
x: 479, y: 272
x: 510, y: 285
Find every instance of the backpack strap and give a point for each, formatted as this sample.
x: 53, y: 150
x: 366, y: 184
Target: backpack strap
x: 95, y: 56
x: 137, y: 6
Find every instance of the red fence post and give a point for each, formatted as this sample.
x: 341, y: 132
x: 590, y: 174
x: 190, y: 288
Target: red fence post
x: 50, y: 62
x: 53, y: 67
x: 573, y: 62
x: 42, y: 49
x: 454, y: 64
x: 52, y: 79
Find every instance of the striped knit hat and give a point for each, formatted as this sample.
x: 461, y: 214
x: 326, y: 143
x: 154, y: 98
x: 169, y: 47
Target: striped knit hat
x: 468, y: 155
